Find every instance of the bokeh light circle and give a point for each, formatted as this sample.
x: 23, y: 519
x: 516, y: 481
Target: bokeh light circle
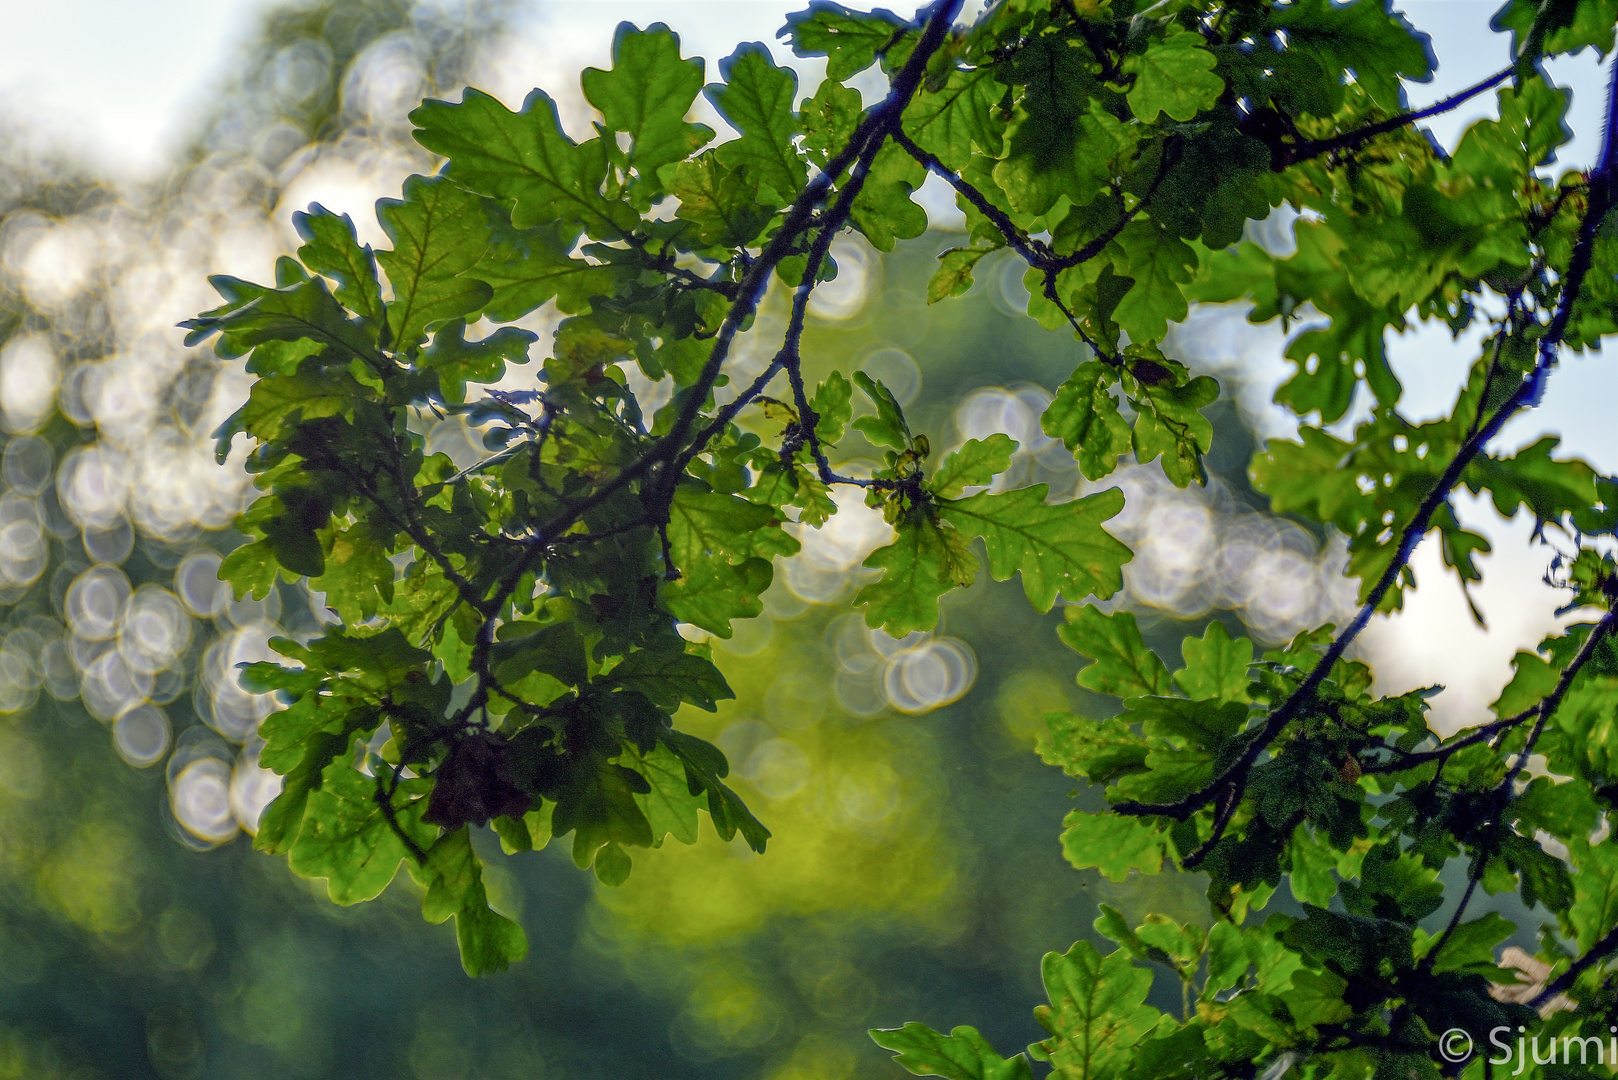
x: 156, y: 630
x: 196, y: 580
x: 252, y: 787
x: 141, y: 735
x: 200, y: 799
x: 95, y: 602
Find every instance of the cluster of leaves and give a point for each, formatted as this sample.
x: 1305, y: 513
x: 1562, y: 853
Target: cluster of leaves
x: 509, y: 648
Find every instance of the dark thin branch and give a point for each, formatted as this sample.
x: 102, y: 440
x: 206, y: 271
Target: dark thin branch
x: 1476, y: 735
x: 725, y: 415
x: 664, y: 264
x: 1033, y: 251
x: 1504, y: 792
x: 1602, y: 949
x: 1526, y: 395
x: 752, y: 287
x: 750, y: 291
x: 1170, y: 155
x: 384, y: 800
x: 789, y: 355
x: 1054, y: 296
x: 1353, y: 140
x: 728, y: 289
x: 1479, y: 862
x: 412, y: 527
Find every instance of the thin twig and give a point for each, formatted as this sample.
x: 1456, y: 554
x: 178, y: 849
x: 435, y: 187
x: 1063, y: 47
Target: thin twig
x: 1527, y: 394
x: 1353, y: 140
x: 1564, y: 982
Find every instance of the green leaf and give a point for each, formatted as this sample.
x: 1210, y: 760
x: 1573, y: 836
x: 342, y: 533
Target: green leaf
x: 332, y: 248
x: 1060, y: 550
x: 1366, y: 37
x: 274, y: 405
x: 714, y: 199
x: 887, y: 427
x: 598, y: 806
x: 1181, y: 942
x: 1310, y: 870
x: 954, y: 276
x: 917, y: 568
x: 1531, y: 478
x: 612, y: 865
x: 346, y: 838
x: 1084, y: 415
x: 963, y: 1054
x: 976, y: 463
x: 883, y: 209
x: 1174, y: 76
x: 303, y: 311
x: 756, y: 98
x: 528, y: 267
x: 1227, y: 958
x: 358, y: 578
x: 1098, y: 750
x: 957, y: 118
x: 531, y: 832
x: 722, y: 545
x: 647, y: 94
x: 439, y: 232
x: 704, y: 765
x: 1595, y: 889
x: 1098, y: 1011
x: 1469, y: 947
x: 1564, y: 27
x: 667, y: 676
x: 1161, y: 264
x: 714, y: 592
x: 1124, y: 666
x: 849, y: 39
x: 459, y: 361
x: 525, y: 160
x: 1114, y: 843
x: 1170, y: 423
x: 833, y: 407
x: 1215, y: 666
x: 301, y: 742
x: 670, y: 807
x: 1191, y: 740
x: 1316, y: 998
x: 251, y: 569
x: 453, y: 877
x: 829, y: 120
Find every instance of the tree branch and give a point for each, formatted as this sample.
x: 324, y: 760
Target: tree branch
x: 1353, y: 140
x: 1526, y: 395
x: 1564, y: 982
x: 1034, y: 252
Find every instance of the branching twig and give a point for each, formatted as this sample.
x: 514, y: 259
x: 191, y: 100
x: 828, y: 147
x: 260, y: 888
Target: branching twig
x: 1602, y: 949
x: 1504, y: 791
x: 1034, y: 252
x: 1353, y: 140
x: 1527, y: 394
x: 384, y: 800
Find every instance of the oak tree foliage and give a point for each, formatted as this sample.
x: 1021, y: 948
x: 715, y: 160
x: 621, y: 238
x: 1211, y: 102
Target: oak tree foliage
x: 510, y: 628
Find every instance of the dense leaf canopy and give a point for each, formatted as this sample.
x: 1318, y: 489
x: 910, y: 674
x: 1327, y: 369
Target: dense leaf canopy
x: 509, y: 648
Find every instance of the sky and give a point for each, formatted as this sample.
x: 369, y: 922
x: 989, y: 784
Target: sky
x: 120, y: 83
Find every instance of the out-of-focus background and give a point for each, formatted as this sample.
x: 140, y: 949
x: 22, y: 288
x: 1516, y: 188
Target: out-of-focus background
x: 915, y: 873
